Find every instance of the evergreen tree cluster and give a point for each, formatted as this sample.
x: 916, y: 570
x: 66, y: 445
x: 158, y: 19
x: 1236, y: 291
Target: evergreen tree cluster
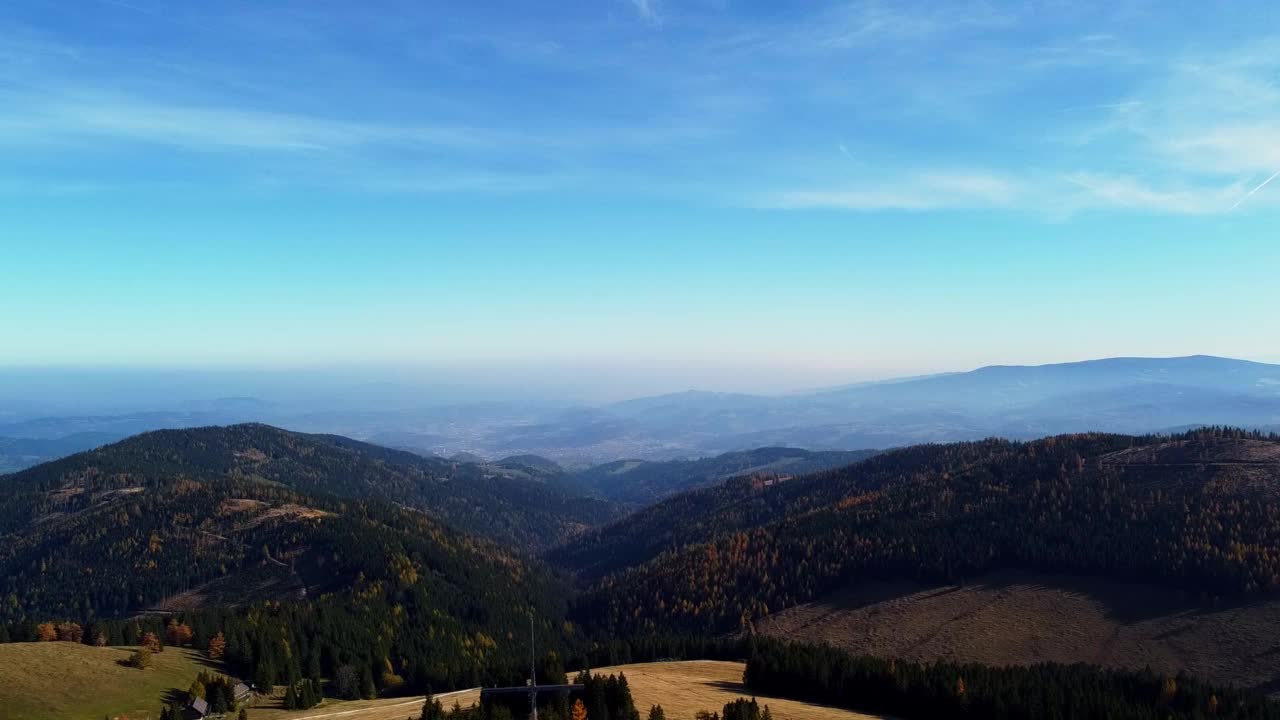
x: 823, y: 674
x: 607, y: 697
x: 302, y: 695
x: 217, y: 690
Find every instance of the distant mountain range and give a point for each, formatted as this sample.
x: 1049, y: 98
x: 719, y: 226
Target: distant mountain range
x: 1128, y: 395
x: 1114, y: 395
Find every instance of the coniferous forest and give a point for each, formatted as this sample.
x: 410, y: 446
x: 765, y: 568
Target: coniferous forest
x: 911, y: 690
x: 256, y: 547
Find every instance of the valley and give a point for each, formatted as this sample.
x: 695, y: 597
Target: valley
x: 1118, y: 395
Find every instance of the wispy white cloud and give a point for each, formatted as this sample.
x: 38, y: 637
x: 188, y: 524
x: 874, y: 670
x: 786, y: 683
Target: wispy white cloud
x: 729, y: 105
x: 647, y: 9
x: 925, y: 191
x: 1128, y: 193
x: 210, y: 127
x: 1048, y: 195
x: 1227, y: 148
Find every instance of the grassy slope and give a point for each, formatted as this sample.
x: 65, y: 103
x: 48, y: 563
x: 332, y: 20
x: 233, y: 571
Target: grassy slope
x: 681, y: 688
x: 1023, y: 618
x: 56, y: 680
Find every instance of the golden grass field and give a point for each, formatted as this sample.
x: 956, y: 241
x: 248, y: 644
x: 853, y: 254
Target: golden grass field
x: 681, y: 688
x: 53, y: 680
x: 56, y: 680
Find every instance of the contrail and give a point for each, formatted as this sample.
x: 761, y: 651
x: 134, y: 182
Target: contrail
x: 1251, y: 192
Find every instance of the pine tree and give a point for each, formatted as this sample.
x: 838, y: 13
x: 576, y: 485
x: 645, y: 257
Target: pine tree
x: 140, y: 659
x: 432, y: 710
x: 656, y: 713
x: 264, y: 678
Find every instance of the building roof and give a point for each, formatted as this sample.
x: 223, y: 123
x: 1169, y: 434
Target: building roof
x: 200, y: 706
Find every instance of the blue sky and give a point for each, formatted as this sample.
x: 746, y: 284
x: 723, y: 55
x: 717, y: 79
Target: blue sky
x: 677, y: 192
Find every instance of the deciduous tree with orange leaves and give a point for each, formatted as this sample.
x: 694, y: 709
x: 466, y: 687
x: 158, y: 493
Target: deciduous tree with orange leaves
x: 151, y: 642
x: 177, y: 634
x: 579, y: 711
x: 217, y: 647
x: 70, y: 632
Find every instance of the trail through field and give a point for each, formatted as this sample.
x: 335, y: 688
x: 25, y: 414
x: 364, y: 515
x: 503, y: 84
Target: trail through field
x: 392, y: 709
x: 681, y: 688
x: 381, y: 708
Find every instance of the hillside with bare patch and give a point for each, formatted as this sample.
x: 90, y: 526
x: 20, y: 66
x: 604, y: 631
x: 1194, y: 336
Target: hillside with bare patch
x: 1020, y: 618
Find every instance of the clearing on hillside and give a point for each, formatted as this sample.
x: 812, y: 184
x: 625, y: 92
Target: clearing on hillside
x: 681, y: 688
x: 48, y: 680
x: 1021, y: 618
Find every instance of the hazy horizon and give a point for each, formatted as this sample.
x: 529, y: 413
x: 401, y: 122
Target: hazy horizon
x: 138, y: 389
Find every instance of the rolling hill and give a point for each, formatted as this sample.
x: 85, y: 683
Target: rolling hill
x: 102, y: 687
x: 467, y: 496
x: 1193, y: 512
x: 641, y: 482
x: 1125, y: 395
x: 305, y: 551
x: 20, y: 453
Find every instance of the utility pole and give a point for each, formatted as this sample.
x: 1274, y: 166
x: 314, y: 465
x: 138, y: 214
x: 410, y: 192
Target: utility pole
x: 533, y: 672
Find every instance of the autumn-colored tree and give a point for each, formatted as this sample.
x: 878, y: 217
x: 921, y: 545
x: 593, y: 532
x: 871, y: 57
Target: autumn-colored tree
x: 151, y: 642
x: 579, y: 711
x: 960, y: 691
x: 46, y: 632
x: 100, y: 639
x: 196, y: 690
x: 217, y: 647
x: 70, y: 632
x: 1213, y: 704
x: 389, y: 677
x: 177, y: 634
x: 1168, y: 691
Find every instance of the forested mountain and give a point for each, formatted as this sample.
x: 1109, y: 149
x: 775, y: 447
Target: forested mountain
x: 258, y: 534
x: 1194, y: 511
x: 641, y: 482
x: 365, y: 584
x: 466, y: 496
